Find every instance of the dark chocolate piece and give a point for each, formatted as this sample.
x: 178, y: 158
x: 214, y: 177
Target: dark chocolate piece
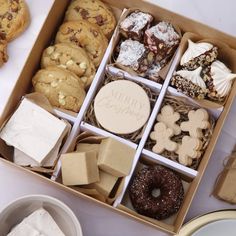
x: 162, y: 39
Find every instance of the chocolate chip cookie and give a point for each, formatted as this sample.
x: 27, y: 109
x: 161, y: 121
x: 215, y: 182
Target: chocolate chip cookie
x: 62, y: 88
x: 3, y: 52
x: 72, y: 58
x: 86, y: 35
x: 95, y: 12
x: 14, y: 18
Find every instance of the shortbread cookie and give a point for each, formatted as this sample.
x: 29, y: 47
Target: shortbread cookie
x: 3, y: 52
x: 198, y: 54
x: 135, y: 24
x: 72, y: 58
x: 86, y: 35
x: 169, y: 117
x: 14, y: 18
x: 62, y: 88
x: 162, y: 39
x: 162, y: 136
x: 198, y: 120
x: 189, y: 150
x: 95, y: 12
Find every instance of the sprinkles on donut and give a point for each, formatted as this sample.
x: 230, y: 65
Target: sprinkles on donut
x: 171, y: 192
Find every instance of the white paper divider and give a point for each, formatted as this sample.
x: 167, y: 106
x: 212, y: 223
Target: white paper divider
x: 116, y: 71
x: 87, y: 127
x: 214, y: 112
x: 149, y: 126
x: 65, y: 116
x: 170, y: 164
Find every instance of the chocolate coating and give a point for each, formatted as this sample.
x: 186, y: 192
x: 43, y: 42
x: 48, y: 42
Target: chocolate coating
x: 188, y: 88
x: 203, y: 60
x: 171, y: 192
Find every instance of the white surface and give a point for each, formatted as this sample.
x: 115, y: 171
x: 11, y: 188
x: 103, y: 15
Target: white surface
x: 22, y: 207
x: 22, y: 46
x: 217, y: 228
x: 98, y: 221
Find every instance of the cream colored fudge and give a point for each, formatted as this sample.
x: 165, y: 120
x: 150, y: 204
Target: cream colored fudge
x: 106, y: 183
x: 35, y: 223
x: 115, y: 157
x: 79, y: 168
x: 87, y: 147
x: 34, y: 131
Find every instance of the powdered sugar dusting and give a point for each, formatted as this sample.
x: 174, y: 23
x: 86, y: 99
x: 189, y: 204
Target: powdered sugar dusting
x: 130, y: 53
x: 154, y: 69
x: 136, y: 21
x: 164, y: 31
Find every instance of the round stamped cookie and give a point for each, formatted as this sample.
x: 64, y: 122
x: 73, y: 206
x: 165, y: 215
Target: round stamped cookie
x: 122, y: 107
x: 95, y: 12
x: 72, y: 58
x: 14, y: 18
x: 61, y: 87
x: 86, y: 35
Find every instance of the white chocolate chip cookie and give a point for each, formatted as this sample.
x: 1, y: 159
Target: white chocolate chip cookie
x: 72, y: 58
x: 62, y: 88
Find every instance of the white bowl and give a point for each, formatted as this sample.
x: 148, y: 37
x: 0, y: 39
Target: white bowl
x: 22, y: 207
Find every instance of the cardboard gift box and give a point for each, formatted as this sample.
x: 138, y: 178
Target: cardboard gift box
x: 192, y: 177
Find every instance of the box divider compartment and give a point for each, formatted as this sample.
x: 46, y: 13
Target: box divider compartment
x: 115, y: 71
x: 170, y: 164
x: 88, y: 99
x: 150, y: 123
x: 87, y: 127
x: 126, y: 204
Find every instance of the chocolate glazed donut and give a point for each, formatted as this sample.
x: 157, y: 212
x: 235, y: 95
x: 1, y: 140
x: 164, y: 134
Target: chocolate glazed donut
x: 171, y: 192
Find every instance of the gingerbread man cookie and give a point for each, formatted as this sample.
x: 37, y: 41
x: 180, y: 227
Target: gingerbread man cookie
x: 189, y: 150
x: 169, y: 117
x: 198, y: 120
x: 162, y: 135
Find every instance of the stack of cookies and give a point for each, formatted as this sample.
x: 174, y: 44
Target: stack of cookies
x: 69, y: 66
x: 201, y: 74
x: 146, y: 47
x: 183, y: 137
x: 14, y: 19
